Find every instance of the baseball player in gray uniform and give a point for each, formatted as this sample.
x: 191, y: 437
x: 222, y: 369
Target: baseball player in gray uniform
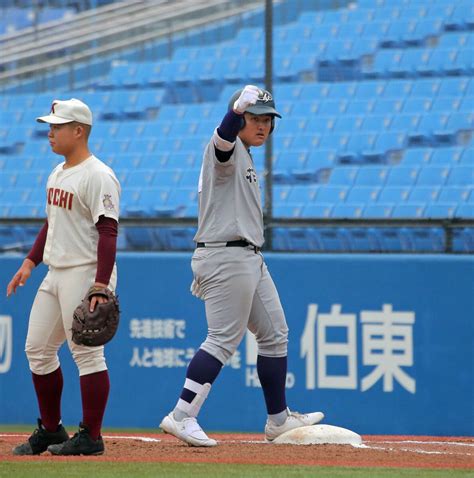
x: 78, y: 244
x: 231, y: 276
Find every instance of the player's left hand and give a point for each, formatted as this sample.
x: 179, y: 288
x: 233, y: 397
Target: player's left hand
x: 248, y: 97
x: 98, y: 299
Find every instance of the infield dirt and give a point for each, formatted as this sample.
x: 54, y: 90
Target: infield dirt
x: 376, y: 451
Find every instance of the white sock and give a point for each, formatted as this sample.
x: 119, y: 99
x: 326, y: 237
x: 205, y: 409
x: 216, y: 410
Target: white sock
x: 179, y: 415
x: 279, y: 418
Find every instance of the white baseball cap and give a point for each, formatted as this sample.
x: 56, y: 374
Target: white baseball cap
x: 67, y: 111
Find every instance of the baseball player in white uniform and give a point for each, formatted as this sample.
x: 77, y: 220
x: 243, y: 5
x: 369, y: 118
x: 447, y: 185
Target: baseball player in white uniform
x: 78, y: 244
x: 231, y: 276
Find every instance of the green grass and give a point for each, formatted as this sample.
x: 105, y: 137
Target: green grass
x: 51, y: 469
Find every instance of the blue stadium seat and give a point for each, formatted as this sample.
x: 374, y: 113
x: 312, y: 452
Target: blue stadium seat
x: 383, y: 61
x: 141, y: 238
x: 405, y: 122
x: 189, y: 178
x: 167, y: 178
x: 154, y: 202
x: 402, y: 176
x: 446, y: 156
x: 461, y: 176
x: 433, y: 175
x: 347, y: 210
x: 424, y: 193
x: 426, y: 239
x: 389, y: 144
x: 26, y: 210
x: 394, y: 239
x: 378, y: 211
x: 343, y: 176
x: 456, y: 194
x: 465, y: 211
x: 177, y: 238
x: 342, y: 90
x: 281, y: 193
x: 363, y: 194
x: 333, y: 107
x: 429, y: 126
x: 417, y: 156
x: 364, y: 239
x: 463, y: 239
x: 356, y: 106
x: 332, y: 238
x: 414, y: 61
x: 301, y: 239
x: 375, y: 123
x: 317, y: 210
x: 178, y: 160
x: 453, y: 87
x: 140, y: 178
x: 467, y: 158
x: 31, y: 179
x: 331, y: 194
x: 288, y: 209
x: 440, y: 210
x: 344, y: 124
x: 360, y: 142
x: 280, y: 239
x: 182, y: 197
x: 394, y: 194
x: 409, y: 210
x: 461, y: 120
x: 370, y: 89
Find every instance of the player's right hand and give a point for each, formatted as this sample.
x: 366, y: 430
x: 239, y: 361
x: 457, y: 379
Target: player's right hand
x: 21, y: 276
x: 248, y: 97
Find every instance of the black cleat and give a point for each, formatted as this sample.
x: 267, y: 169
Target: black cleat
x: 80, y: 444
x: 40, y: 440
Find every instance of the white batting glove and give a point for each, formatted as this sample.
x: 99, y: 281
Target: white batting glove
x: 248, y: 97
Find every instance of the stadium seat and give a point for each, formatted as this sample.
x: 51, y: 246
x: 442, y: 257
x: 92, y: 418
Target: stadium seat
x: 424, y: 193
x: 378, y: 211
x: 409, y: 210
x: 433, y: 175
x: 343, y: 175
x: 364, y: 239
x: 402, y: 176
x: 374, y: 123
x: 426, y: 239
x: 331, y: 194
x: 456, y: 194
x: 300, y: 239
x: 417, y: 156
x: 334, y: 239
x: 461, y: 176
x: 317, y: 210
x: 463, y: 239
x: 440, y: 210
x: 347, y: 210
x: 288, y: 209
x: 394, y: 239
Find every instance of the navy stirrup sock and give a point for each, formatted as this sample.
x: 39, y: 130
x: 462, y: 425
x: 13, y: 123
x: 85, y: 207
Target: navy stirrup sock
x: 272, y: 374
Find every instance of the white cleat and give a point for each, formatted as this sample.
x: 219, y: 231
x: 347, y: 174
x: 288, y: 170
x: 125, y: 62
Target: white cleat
x: 188, y: 430
x: 294, y: 420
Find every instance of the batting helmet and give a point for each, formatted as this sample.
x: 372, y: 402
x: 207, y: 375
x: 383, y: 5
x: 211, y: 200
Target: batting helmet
x: 265, y: 105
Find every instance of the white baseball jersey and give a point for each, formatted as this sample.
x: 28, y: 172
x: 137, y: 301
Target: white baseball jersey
x: 76, y: 198
x: 229, y: 198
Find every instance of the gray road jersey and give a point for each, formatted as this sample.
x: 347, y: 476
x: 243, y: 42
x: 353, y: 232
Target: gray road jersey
x: 229, y: 198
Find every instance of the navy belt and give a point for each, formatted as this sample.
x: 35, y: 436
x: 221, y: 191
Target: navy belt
x: 239, y: 243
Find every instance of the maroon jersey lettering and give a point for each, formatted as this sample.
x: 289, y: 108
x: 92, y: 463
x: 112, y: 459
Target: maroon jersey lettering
x: 58, y: 197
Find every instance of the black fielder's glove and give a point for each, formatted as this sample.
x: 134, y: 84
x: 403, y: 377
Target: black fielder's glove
x: 97, y: 327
